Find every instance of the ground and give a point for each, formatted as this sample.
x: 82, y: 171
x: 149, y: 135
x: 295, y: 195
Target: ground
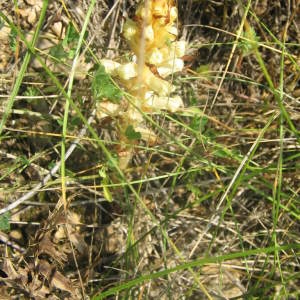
x: 208, y: 209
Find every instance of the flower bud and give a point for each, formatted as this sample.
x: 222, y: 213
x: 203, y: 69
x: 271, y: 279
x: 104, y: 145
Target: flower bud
x: 133, y: 115
x: 168, y: 103
x: 172, y: 30
x: 156, y: 57
x: 110, y: 66
x: 106, y: 108
x: 143, y: 13
x: 156, y: 84
x: 129, y: 29
x: 169, y: 67
x: 147, y: 135
x: 179, y: 47
x: 127, y: 71
x: 173, y: 14
x: 149, y: 33
x: 160, y: 8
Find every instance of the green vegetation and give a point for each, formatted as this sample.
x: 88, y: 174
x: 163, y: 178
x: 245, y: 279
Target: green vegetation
x: 207, y: 205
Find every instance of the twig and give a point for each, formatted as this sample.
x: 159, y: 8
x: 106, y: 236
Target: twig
x: 52, y: 172
x: 4, y: 238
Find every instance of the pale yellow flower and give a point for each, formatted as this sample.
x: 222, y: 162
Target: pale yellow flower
x: 156, y: 103
x: 170, y: 66
x: 129, y: 29
x: 110, y: 66
x: 156, y: 84
x: 106, y: 109
x: 127, y: 71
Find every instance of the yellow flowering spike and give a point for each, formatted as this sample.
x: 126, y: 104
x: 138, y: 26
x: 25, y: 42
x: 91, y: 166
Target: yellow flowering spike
x: 151, y: 35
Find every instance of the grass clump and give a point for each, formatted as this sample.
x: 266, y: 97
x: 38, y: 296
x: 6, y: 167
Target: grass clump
x: 151, y: 156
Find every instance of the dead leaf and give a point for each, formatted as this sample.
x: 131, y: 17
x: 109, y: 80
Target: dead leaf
x: 54, y: 277
x: 46, y: 246
x: 79, y: 243
x: 72, y: 233
x: 38, y: 289
x: 9, y: 269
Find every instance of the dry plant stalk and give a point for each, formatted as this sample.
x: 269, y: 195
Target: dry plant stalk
x: 152, y: 35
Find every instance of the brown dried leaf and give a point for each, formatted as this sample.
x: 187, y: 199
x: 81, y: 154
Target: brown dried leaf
x: 54, y: 277
x: 4, y: 293
x: 225, y: 279
x: 72, y: 233
x: 73, y: 218
x: 38, y: 289
x: 61, y: 282
x: 37, y: 3
x: 79, y: 243
x: 18, y: 275
x: 9, y: 269
x: 47, y: 247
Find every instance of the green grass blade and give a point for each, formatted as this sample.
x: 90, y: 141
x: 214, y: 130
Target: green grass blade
x: 24, y: 66
x: 192, y: 264
x: 67, y: 104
